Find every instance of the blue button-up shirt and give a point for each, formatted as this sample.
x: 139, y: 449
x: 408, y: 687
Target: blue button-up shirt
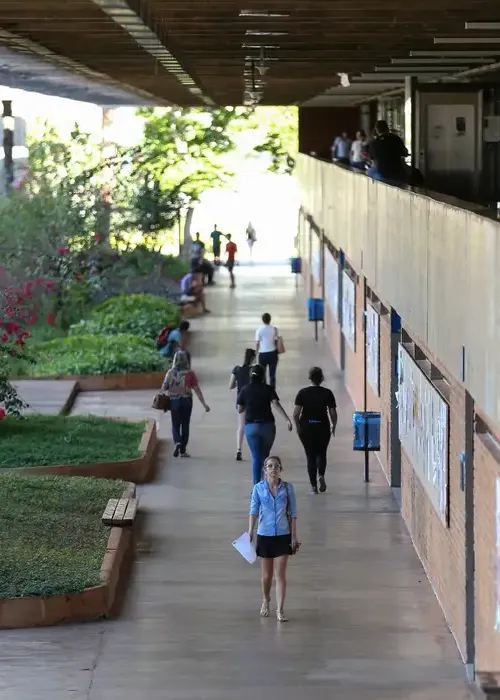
x: 272, y: 512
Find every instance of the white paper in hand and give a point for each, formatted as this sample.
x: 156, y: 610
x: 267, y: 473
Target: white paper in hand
x: 245, y: 547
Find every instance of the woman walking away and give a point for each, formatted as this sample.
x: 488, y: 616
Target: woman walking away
x: 255, y: 400
x: 266, y: 337
x: 273, y: 505
x: 240, y: 377
x: 179, y: 384
x: 315, y: 416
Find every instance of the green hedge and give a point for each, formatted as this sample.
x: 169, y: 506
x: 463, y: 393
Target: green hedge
x: 45, y: 440
x: 96, y: 354
x: 143, y: 315
x: 51, y: 536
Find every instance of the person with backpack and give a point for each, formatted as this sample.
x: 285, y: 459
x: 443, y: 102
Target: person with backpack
x: 172, y: 339
x: 179, y: 384
x: 240, y: 377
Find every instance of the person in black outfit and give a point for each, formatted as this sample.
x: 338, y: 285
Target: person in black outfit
x: 255, y: 401
x: 315, y: 416
x: 240, y: 377
x: 388, y: 154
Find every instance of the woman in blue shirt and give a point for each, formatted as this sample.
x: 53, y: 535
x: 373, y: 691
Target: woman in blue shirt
x: 273, y: 505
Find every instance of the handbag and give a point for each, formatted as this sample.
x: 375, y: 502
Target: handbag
x: 161, y: 402
x: 293, y: 550
x: 280, y: 345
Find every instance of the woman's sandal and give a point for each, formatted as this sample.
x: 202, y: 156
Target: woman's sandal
x: 264, y: 611
x: 280, y: 616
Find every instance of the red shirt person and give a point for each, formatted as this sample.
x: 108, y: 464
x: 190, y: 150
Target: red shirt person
x: 231, y: 250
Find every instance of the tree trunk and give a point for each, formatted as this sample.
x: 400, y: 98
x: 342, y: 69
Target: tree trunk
x: 108, y: 150
x: 186, y: 246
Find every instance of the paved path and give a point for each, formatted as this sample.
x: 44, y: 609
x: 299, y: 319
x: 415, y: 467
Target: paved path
x: 46, y: 395
x: 364, y: 623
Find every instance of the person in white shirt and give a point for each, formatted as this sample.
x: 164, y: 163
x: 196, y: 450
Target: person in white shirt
x: 358, y: 149
x: 266, y: 337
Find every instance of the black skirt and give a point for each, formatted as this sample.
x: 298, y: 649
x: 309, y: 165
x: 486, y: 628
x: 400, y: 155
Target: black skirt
x: 273, y: 547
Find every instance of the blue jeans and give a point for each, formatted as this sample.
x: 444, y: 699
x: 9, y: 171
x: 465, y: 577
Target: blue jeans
x: 181, y: 409
x: 260, y: 439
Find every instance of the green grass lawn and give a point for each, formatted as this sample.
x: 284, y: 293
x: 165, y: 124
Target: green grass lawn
x: 45, y: 440
x: 51, y: 536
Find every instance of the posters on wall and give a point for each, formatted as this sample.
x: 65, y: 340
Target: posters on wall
x: 332, y: 283
x: 315, y: 257
x: 497, y: 511
x: 349, y: 309
x: 373, y: 348
x: 423, y: 429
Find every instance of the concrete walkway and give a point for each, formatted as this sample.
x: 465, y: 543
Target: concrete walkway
x: 364, y: 623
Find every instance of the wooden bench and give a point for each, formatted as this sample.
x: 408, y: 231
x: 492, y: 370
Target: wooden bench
x: 120, y: 512
x: 489, y: 684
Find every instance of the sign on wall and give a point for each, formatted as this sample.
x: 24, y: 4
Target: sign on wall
x: 423, y: 429
x: 497, y: 614
x: 332, y: 283
x: 349, y: 309
x: 373, y: 348
x: 315, y: 257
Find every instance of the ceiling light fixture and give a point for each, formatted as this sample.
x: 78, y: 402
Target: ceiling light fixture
x: 262, y: 13
x: 465, y: 53
x: 260, y: 46
x: 466, y: 40
x: 415, y: 70
x: 482, y: 25
x: 439, y: 60
x: 262, y: 32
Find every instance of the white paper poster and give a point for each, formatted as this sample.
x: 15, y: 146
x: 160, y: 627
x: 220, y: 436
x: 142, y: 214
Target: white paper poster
x: 245, y: 547
x: 349, y: 309
x: 497, y: 613
x: 373, y: 348
x: 423, y: 429
x: 315, y: 257
x: 332, y: 283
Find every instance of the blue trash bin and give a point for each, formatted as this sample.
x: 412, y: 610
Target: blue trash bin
x: 296, y: 264
x: 315, y: 309
x: 366, y: 430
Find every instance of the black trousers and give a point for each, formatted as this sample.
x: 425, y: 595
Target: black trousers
x: 270, y: 359
x: 315, y: 437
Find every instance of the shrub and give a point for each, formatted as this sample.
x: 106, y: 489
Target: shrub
x: 142, y: 315
x: 97, y: 354
x: 51, y: 536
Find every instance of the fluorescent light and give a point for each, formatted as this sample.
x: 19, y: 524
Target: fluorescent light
x: 467, y: 40
x: 482, y: 25
x: 260, y: 32
x: 262, y: 13
x: 260, y: 46
x: 465, y: 53
x: 410, y: 70
x: 440, y: 60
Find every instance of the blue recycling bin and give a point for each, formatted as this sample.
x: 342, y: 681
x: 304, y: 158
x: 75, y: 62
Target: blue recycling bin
x: 366, y: 430
x: 296, y: 264
x: 315, y: 309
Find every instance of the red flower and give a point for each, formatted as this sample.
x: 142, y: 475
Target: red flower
x: 3, y: 413
x: 51, y: 319
x: 32, y: 320
x: 99, y: 237
x: 4, y: 338
x: 79, y: 278
x: 12, y: 327
x: 49, y: 284
x: 19, y: 341
x: 39, y: 280
x: 9, y: 311
x: 63, y: 251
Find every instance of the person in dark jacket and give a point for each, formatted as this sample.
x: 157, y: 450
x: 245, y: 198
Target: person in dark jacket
x: 388, y: 154
x: 240, y: 377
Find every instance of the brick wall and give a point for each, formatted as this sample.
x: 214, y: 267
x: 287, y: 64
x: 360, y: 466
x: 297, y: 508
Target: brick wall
x: 441, y: 548
x: 354, y: 360
x: 486, y: 472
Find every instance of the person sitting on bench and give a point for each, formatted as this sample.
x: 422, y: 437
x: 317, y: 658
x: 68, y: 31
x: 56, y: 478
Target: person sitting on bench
x: 192, y: 289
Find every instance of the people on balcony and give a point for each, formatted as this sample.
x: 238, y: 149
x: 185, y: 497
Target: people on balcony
x: 388, y: 154
x: 341, y: 149
x: 359, y: 151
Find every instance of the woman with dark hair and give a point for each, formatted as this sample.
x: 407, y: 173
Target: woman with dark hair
x: 315, y: 416
x: 273, y: 507
x: 240, y: 377
x: 255, y: 401
x: 179, y: 384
